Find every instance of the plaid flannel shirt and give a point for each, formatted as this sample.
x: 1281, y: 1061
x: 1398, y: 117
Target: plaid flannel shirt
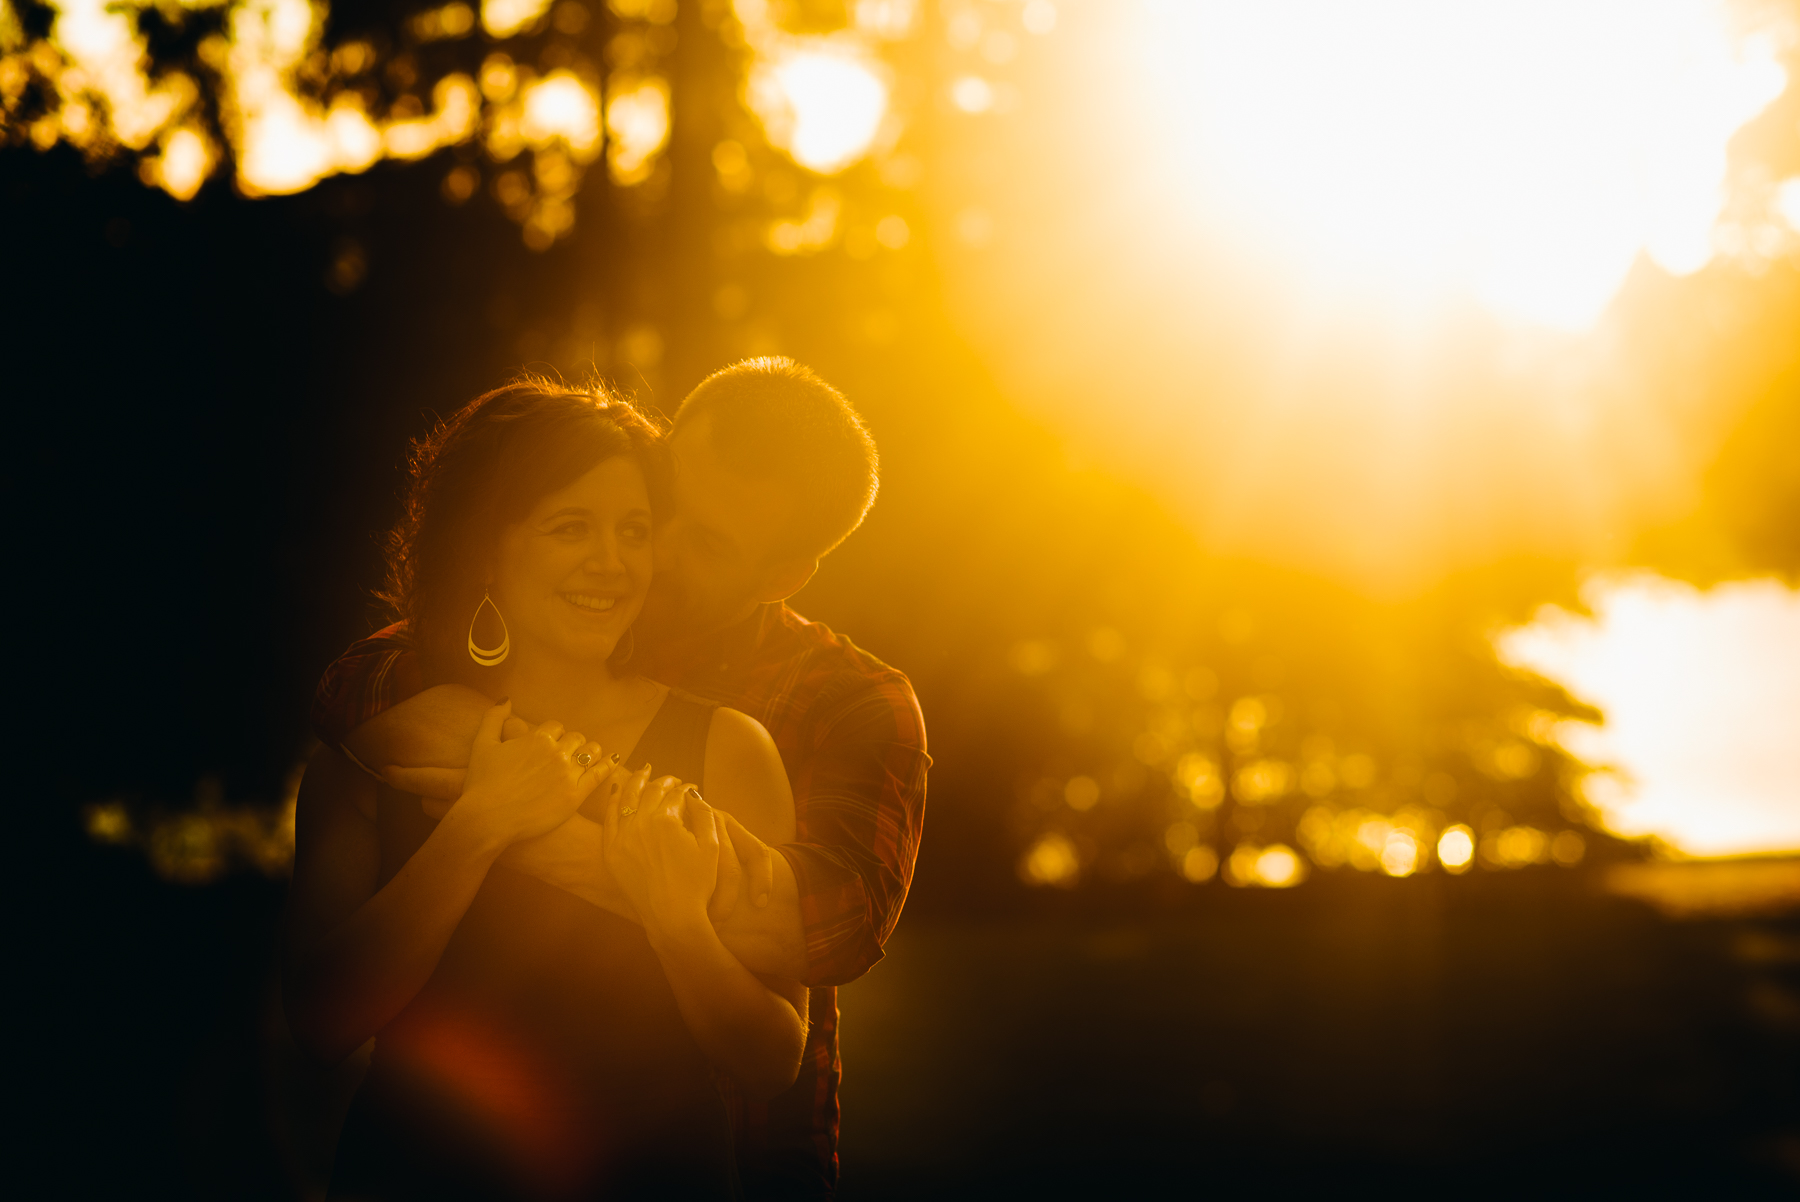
x: 853, y: 741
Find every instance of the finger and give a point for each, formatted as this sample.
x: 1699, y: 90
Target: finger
x: 695, y: 813
x: 631, y: 791
x: 597, y: 786
x: 434, y: 807
x: 493, y: 720
x: 700, y: 819
x: 436, y: 783
x: 602, y: 766
x: 758, y: 859
x: 585, y: 755
x: 514, y: 727
x: 609, y: 824
x: 724, y: 900
x: 571, y: 742
x: 666, y: 795
x: 552, y: 730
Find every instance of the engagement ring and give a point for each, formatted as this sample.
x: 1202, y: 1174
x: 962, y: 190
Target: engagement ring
x: 584, y: 759
x: 628, y: 811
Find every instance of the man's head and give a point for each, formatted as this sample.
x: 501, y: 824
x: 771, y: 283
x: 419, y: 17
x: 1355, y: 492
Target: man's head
x: 773, y: 469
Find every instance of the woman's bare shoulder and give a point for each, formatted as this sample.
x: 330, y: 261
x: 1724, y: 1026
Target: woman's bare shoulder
x: 745, y: 776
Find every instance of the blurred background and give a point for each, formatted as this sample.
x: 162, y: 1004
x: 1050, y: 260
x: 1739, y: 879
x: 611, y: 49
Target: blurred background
x: 1341, y: 514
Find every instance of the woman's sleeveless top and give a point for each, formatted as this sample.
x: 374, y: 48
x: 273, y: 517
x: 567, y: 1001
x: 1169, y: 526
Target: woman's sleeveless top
x: 545, y: 1058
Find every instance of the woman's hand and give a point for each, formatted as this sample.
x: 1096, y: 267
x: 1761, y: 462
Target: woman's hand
x: 526, y: 786
x: 662, y: 844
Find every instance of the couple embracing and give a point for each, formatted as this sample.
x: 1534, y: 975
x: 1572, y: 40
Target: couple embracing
x: 598, y: 826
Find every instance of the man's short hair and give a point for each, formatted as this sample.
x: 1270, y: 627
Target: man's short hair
x: 770, y: 417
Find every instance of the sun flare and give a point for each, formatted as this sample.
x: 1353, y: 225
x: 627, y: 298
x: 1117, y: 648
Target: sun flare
x: 1523, y: 152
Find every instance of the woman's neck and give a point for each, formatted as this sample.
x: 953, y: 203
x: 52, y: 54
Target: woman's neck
x: 580, y: 695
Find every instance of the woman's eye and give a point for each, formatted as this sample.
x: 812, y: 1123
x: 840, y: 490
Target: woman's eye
x: 570, y: 530
x: 636, y: 533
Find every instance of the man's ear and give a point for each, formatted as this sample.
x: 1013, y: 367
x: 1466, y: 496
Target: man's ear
x: 783, y: 579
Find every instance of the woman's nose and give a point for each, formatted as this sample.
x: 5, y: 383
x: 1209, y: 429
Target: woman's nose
x: 604, y: 558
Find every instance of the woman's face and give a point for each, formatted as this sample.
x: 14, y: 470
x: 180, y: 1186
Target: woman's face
x: 571, y: 576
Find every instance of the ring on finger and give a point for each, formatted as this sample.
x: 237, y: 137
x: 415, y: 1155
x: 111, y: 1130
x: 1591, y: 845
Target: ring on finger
x: 627, y: 811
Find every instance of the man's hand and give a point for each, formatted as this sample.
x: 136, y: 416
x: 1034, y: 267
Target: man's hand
x: 662, y: 845
x: 443, y: 784
x: 436, y: 726
x: 746, y: 868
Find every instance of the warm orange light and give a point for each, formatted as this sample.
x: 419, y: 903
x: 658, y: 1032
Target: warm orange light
x: 1052, y: 860
x: 1524, y: 151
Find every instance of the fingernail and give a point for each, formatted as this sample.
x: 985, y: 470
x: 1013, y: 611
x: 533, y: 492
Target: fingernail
x: 762, y: 899
x: 695, y: 792
x: 614, y: 758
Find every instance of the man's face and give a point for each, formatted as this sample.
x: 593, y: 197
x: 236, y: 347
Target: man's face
x: 715, y: 556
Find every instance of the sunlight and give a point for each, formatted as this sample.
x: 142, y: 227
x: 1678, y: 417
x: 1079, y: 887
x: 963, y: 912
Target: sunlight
x: 637, y: 123
x: 821, y: 100
x: 1523, y: 152
x: 1701, y: 695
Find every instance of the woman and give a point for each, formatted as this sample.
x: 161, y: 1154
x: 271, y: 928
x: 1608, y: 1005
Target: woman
x: 530, y: 1044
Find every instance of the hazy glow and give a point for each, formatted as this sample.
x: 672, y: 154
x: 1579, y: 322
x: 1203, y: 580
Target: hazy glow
x: 1052, y: 860
x: 1400, y: 853
x: 1276, y: 866
x: 560, y: 106
x: 820, y: 100
x: 1200, y: 864
x: 1701, y: 693
x: 1521, y: 150
x: 504, y: 18
x: 637, y: 119
x: 199, y: 845
x: 1302, y: 360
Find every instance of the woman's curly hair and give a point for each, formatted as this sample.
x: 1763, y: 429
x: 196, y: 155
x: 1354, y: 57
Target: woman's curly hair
x: 482, y: 469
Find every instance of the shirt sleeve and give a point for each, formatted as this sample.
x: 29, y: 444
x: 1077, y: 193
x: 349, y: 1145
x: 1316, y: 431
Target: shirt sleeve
x: 861, y: 814
x: 374, y: 674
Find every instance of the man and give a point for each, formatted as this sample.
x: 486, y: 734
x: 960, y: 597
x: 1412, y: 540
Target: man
x: 773, y: 469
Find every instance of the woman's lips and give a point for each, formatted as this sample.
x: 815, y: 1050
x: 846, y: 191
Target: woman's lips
x: 593, y: 603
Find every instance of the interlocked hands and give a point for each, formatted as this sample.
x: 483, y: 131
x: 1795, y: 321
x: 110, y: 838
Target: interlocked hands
x: 528, y: 785
x: 663, y: 844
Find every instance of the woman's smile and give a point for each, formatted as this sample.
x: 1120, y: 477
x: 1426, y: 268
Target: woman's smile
x: 592, y: 602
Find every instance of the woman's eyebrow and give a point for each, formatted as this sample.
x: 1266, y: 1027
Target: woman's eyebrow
x: 564, y: 512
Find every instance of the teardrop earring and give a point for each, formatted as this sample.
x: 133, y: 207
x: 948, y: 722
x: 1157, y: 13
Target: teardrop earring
x: 488, y: 657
